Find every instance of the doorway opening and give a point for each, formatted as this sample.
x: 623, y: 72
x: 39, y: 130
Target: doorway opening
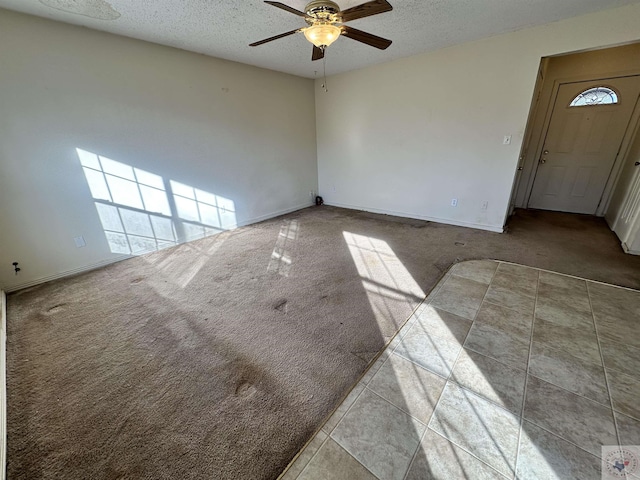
x: 586, y: 129
x: 582, y: 135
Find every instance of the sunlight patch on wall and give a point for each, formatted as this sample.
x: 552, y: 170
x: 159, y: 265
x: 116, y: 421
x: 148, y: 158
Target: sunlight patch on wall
x: 99, y: 9
x: 386, y: 281
x: 203, y: 207
x: 142, y: 212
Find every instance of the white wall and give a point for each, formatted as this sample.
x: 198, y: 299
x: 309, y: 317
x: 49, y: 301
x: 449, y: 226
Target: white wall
x: 408, y: 136
x: 240, y: 132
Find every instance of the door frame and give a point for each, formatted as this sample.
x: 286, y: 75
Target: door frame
x: 633, y: 233
x: 532, y: 149
x: 622, y: 150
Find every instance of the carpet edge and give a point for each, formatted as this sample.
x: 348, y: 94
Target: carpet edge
x: 3, y: 385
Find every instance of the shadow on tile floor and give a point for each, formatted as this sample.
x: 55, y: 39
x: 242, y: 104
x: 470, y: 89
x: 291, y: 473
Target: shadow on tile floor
x: 504, y: 371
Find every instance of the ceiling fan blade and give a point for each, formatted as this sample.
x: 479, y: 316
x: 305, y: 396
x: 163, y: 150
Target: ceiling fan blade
x: 271, y: 39
x: 364, y: 37
x: 287, y: 8
x: 365, y: 10
x: 318, y: 53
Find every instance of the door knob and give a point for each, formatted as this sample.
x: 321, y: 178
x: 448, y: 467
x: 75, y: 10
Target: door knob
x: 544, y: 154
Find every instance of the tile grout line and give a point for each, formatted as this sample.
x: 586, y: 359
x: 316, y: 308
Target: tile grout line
x: 557, y: 349
x: 482, y: 397
x: 431, y: 294
x: 448, y: 380
x: 624, y: 414
x: 399, y: 407
x: 498, y: 360
x: 526, y: 379
x: 574, y: 393
x: 504, y: 306
x: 338, y: 443
x: 449, y: 376
x: 604, y: 368
x: 328, y: 434
x: 409, y: 318
x: 350, y: 407
x: 415, y: 453
x: 582, y: 360
x: 562, y: 438
x: 420, y: 366
x: 571, y: 276
x: 310, y: 460
x: 342, y: 447
x: 452, y: 274
x: 468, y: 452
x: 456, y: 361
x: 384, y: 400
x: 395, y: 406
x: 378, y: 357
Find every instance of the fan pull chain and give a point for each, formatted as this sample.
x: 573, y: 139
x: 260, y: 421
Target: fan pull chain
x: 324, y: 70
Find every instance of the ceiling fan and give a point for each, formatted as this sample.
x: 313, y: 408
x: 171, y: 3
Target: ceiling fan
x: 326, y: 23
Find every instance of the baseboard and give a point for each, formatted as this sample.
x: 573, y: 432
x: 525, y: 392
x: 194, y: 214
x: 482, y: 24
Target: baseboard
x: 446, y: 221
x: 3, y: 385
x: 268, y: 216
x: 626, y: 249
x: 119, y: 258
x: 67, y: 273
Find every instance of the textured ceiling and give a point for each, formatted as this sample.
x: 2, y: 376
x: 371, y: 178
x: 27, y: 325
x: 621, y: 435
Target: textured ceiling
x: 224, y: 28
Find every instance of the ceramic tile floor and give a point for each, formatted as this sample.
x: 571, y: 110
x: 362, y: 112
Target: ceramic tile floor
x: 504, y: 371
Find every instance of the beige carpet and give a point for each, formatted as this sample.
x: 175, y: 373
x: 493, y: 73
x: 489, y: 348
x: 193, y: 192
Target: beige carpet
x: 220, y: 358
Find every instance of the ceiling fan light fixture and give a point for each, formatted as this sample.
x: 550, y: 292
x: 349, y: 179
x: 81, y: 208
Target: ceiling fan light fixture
x: 322, y: 35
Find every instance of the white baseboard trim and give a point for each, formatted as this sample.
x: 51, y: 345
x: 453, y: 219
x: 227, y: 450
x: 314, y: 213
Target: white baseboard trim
x: 446, y: 221
x: 67, y: 273
x: 3, y: 385
x: 268, y: 216
x: 626, y: 249
x: 119, y: 258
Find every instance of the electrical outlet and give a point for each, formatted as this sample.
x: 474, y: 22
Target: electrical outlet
x: 79, y: 241
x: 454, y: 202
x: 507, y: 140
x: 312, y: 193
x: 485, y: 205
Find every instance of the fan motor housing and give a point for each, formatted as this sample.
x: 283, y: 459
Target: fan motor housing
x: 322, y: 10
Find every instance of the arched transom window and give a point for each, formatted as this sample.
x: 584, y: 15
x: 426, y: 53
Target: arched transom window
x: 595, y: 96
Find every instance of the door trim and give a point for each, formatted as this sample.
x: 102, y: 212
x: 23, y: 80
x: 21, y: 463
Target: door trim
x: 538, y: 126
x: 623, y: 155
x: 622, y: 151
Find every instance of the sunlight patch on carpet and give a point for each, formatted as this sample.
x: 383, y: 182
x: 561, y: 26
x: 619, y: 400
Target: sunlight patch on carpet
x: 386, y: 281
x: 280, y: 261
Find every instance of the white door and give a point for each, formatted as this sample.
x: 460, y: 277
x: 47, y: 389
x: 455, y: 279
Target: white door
x: 586, y: 129
x: 627, y: 223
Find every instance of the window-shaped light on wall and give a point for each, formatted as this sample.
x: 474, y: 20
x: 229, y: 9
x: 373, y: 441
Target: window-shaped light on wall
x: 142, y: 212
x: 595, y: 96
x: 206, y: 208
x: 131, y: 203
